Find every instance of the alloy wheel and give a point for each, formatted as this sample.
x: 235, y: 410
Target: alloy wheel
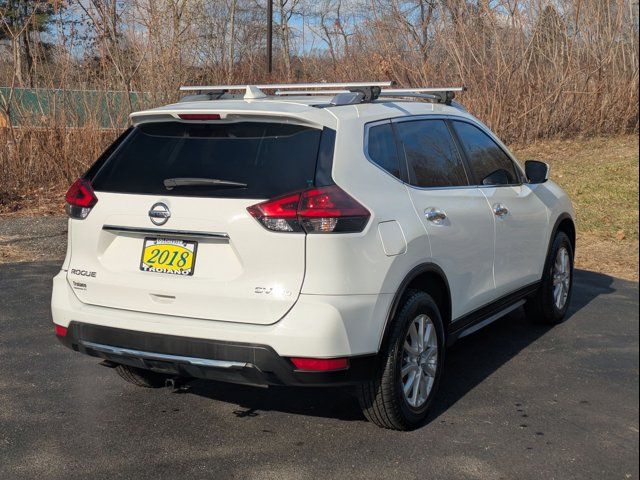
x: 561, y: 278
x: 419, y: 361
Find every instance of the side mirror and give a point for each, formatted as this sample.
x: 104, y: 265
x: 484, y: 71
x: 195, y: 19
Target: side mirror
x: 537, y: 172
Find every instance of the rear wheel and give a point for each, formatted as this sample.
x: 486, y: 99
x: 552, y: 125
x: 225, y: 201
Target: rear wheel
x: 551, y: 302
x: 142, y: 377
x: 401, y: 392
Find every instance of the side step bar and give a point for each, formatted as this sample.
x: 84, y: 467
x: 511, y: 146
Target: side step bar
x: 491, y: 319
x: 474, y: 321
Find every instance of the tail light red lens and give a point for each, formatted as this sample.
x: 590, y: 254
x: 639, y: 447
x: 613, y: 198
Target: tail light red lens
x: 279, y: 214
x: 80, y: 199
x: 60, y: 330
x: 320, y: 364
x: 317, y: 210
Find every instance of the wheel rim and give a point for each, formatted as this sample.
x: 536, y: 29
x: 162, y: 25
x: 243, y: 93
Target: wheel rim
x: 419, y: 361
x: 561, y: 278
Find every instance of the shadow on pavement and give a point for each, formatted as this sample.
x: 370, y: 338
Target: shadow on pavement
x: 469, y: 362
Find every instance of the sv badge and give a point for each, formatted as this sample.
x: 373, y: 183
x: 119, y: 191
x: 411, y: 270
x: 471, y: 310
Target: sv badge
x: 275, y: 291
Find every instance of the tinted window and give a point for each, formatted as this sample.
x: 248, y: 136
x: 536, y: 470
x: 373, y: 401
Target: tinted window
x: 382, y: 148
x: 106, y: 154
x: 271, y: 158
x: 431, y: 154
x: 488, y: 162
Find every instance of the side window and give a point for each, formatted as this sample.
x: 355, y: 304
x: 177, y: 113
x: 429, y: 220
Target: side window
x: 431, y: 154
x: 488, y: 162
x: 382, y: 148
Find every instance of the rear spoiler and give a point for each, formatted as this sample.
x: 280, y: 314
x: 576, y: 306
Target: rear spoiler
x: 228, y: 116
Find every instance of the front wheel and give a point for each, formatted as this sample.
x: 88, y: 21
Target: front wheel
x: 551, y: 302
x: 403, y: 388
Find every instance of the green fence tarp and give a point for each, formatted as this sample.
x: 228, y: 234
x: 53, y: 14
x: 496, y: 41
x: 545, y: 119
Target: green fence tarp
x: 23, y: 107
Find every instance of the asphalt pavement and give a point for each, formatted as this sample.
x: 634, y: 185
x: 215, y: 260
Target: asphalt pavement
x: 518, y: 401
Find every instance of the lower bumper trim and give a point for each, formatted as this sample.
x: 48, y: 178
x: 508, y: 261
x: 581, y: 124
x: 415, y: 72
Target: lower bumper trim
x: 163, y: 357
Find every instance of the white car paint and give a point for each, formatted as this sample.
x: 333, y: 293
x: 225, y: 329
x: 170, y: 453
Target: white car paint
x: 226, y: 273
x: 332, y: 293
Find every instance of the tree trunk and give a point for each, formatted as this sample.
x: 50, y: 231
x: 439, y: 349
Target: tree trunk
x: 28, y: 56
x: 286, y: 40
x: 232, y: 34
x: 17, y: 60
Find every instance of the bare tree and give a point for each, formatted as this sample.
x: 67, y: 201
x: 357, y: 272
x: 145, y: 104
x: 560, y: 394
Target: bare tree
x: 534, y: 68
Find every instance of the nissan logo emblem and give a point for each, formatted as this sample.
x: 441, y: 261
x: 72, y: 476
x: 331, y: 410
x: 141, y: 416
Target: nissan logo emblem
x: 159, y: 214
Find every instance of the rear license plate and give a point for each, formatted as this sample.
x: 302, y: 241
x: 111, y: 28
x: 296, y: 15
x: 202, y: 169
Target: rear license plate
x: 166, y: 255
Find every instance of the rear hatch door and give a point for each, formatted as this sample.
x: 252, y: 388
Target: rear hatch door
x: 171, y: 234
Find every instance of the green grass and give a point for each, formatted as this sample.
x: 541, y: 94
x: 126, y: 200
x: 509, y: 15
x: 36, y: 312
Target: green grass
x: 601, y: 176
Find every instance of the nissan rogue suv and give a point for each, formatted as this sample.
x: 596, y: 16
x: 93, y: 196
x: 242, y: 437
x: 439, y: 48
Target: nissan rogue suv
x: 341, y: 236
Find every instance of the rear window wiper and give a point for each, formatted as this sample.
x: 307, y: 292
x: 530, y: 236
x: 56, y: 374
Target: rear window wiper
x: 171, y: 183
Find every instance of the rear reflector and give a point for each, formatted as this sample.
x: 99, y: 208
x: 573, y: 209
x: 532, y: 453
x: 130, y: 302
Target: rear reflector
x: 317, y: 210
x: 60, y: 331
x: 80, y: 199
x: 199, y: 116
x: 320, y: 364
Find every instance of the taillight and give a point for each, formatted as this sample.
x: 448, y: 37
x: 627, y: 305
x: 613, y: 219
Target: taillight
x: 279, y: 214
x: 80, y: 199
x: 331, y: 209
x: 317, y: 210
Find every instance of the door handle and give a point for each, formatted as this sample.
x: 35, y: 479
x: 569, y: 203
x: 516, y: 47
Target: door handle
x: 500, y: 210
x: 434, y: 215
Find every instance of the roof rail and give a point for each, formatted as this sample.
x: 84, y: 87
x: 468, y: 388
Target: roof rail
x: 345, y: 97
x: 369, y: 90
x: 286, y: 86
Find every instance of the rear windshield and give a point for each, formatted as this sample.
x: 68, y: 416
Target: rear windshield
x: 269, y: 158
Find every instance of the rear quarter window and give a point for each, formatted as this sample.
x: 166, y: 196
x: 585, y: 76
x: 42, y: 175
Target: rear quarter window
x: 381, y: 148
x: 270, y: 158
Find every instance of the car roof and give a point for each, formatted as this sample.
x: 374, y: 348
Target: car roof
x: 311, y: 109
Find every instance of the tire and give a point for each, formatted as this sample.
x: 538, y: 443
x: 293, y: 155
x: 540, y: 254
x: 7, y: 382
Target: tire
x: 543, y: 306
x: 142, y: 377
x: 382, y: 399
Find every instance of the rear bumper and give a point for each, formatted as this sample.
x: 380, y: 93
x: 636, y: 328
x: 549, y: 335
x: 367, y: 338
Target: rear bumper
x: 243, y: 363
x: 320, y: 326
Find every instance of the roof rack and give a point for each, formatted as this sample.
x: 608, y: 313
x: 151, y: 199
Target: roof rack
x: 368, y: 89
x: 349, y: 93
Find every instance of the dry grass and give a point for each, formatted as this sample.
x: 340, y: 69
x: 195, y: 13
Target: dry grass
x: 601, y: 176
x: 10, y: 252
x: 34, y: 201
x: 40, y: 159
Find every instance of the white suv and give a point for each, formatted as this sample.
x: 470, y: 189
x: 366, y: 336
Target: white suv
x: 308, y: 240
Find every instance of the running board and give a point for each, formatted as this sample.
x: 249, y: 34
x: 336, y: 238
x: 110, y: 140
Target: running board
x: 483, y: 316
x: 491, y: 319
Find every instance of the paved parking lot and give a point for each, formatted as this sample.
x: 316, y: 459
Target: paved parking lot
x: 519, y: 401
